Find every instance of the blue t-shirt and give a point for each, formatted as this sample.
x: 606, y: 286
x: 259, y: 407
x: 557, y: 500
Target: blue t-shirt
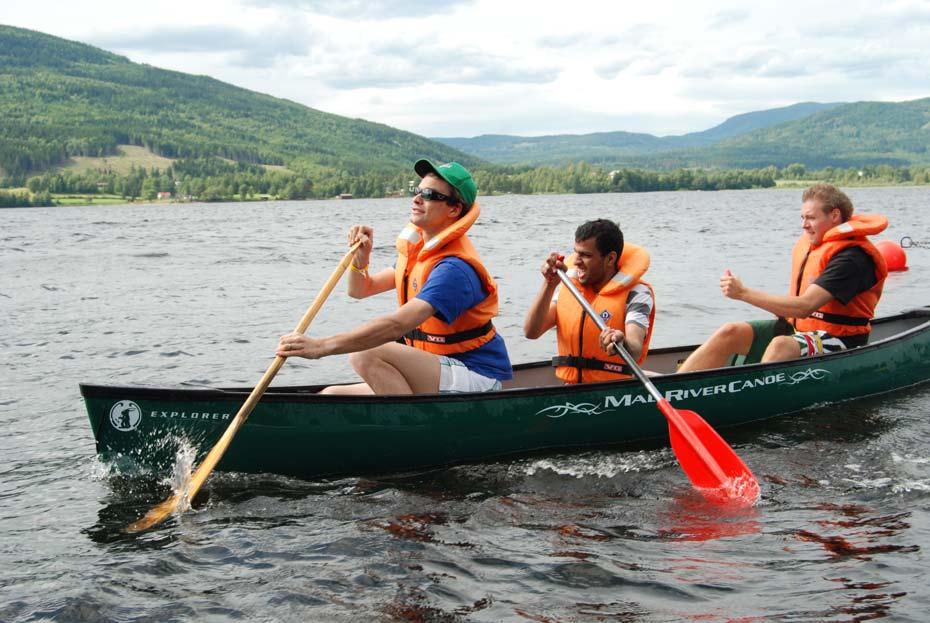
x: 453, y: 287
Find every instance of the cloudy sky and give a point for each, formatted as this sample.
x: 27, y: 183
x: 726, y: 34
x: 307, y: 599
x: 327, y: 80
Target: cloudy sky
x: 470, y: 67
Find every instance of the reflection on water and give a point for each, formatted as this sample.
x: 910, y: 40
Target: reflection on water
x: 199, y: 294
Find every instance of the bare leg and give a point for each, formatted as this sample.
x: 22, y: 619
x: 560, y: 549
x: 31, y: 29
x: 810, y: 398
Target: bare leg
x: 782, y: 348
x: 733, y: 338
x: 356, y: 389
x: 397, y: 369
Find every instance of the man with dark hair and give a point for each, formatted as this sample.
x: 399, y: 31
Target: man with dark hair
x: 608, y: 272
x: 836, y: 281
x: 446, y: 298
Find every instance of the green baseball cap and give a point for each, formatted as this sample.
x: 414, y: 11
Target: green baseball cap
x: 454, y: 174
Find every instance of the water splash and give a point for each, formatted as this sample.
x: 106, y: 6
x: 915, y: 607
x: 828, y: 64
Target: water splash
x: 181, y: 471
x: 102, y: 471
x: 600, y: 466
x: 742, y: 490
x: 908, y: 474
x: 908, y: 459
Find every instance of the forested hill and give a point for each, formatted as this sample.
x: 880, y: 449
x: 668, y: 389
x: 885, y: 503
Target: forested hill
x: 815, y: 135
x: 852, y: 135
x: 747, y: 122
x: 60, y: 98
x: 613, y: 147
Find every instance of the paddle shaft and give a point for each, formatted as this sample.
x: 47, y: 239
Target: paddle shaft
x: 158, y: 514
x: 665, y: 407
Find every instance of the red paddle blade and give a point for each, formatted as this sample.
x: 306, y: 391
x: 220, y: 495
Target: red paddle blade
x: 709, y: 462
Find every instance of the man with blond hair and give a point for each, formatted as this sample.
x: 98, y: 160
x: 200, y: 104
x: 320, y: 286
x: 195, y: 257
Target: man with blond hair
x: 836, y: 281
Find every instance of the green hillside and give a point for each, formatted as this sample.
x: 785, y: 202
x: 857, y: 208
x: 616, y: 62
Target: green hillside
x: 60, y: 99
x: 747, y: 122
x: 859, y: 134
x: 556, y: 150
x: 815, y: 135
x: 612, y: 147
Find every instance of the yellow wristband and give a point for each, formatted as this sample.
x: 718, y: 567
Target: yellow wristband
x: 361, y: 271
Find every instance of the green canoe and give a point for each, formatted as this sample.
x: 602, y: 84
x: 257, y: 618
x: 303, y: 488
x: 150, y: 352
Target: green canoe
x: 296, y: 432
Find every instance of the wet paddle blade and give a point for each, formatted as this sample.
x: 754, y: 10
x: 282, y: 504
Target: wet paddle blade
x: 709, y: 462
x: 156, y: 514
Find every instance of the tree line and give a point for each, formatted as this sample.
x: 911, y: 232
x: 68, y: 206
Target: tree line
x: 9, y: 199
x: 214, y: 179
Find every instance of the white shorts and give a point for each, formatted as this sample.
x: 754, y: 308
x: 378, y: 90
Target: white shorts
x: 455, y: 377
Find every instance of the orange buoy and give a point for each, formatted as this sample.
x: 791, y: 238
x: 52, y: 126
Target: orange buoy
x: 894, y: 255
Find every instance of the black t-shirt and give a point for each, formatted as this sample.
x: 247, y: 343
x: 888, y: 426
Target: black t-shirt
x: 848, y: 273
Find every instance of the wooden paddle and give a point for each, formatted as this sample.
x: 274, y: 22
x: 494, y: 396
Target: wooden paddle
x: 710, y: 464
x: 159, y: 513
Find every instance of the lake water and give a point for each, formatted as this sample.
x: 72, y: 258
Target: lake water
x: 200, y: 293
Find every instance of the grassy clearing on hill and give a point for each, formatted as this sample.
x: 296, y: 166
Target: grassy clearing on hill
x: 139, y: 157
x: 129, y: 156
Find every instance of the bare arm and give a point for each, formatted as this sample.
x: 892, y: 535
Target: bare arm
x: 373, y: 333
x: 540, y: 317
x: 783, y: 305
x: 632, y: 338
x: 362, y: 284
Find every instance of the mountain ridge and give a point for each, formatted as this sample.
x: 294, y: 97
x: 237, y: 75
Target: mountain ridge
x: 817, y: 135
x: 554, y: 149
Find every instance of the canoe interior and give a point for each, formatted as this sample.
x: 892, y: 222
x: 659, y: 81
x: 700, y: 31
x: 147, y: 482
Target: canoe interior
x: 661, y: 361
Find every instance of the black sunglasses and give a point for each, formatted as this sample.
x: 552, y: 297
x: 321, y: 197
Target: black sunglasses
x: 429, y: 194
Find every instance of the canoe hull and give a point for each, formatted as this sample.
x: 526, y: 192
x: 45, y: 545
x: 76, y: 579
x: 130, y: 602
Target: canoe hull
x: 295, y: 432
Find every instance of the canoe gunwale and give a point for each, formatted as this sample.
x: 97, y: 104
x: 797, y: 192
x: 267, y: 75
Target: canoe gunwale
x: 297, y: 394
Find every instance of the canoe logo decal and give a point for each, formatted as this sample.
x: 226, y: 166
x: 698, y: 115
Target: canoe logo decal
x: 810, y: 373
x: 557, y: 411
x: 613, y: 402
x: 125, y: 415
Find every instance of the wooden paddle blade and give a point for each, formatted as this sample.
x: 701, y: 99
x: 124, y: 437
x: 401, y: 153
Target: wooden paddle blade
x: 709, y: 461
x: 156, y: 514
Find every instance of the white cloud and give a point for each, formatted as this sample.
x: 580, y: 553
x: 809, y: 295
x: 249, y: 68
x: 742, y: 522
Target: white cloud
x: 367, y: 9
x: 255, y: 49
x: 468, y: 67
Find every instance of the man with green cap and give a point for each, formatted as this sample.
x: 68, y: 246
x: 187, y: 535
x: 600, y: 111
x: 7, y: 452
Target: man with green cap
x: 441, y: 338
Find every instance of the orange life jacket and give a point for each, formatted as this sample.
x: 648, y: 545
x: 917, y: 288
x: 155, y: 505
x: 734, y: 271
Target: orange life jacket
x: 808, y: 262
x: 415, y: 260
x: 581, y: 359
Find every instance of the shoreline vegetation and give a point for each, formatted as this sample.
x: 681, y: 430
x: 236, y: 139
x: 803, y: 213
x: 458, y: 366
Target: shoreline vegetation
x: 220, y: 180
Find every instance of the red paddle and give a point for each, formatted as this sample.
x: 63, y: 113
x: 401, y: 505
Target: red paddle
x: 709, y: 462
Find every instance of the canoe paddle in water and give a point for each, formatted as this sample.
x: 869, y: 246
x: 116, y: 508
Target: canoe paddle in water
x: 181, y: 499
x: 710, y: 464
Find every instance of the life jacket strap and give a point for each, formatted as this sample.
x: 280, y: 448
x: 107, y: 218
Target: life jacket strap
x: 590, y: 364
x: 450, y: 338
x: 852, y: 321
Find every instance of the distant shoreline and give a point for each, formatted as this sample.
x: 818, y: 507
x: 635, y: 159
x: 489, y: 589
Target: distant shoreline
x: 79, y: 200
